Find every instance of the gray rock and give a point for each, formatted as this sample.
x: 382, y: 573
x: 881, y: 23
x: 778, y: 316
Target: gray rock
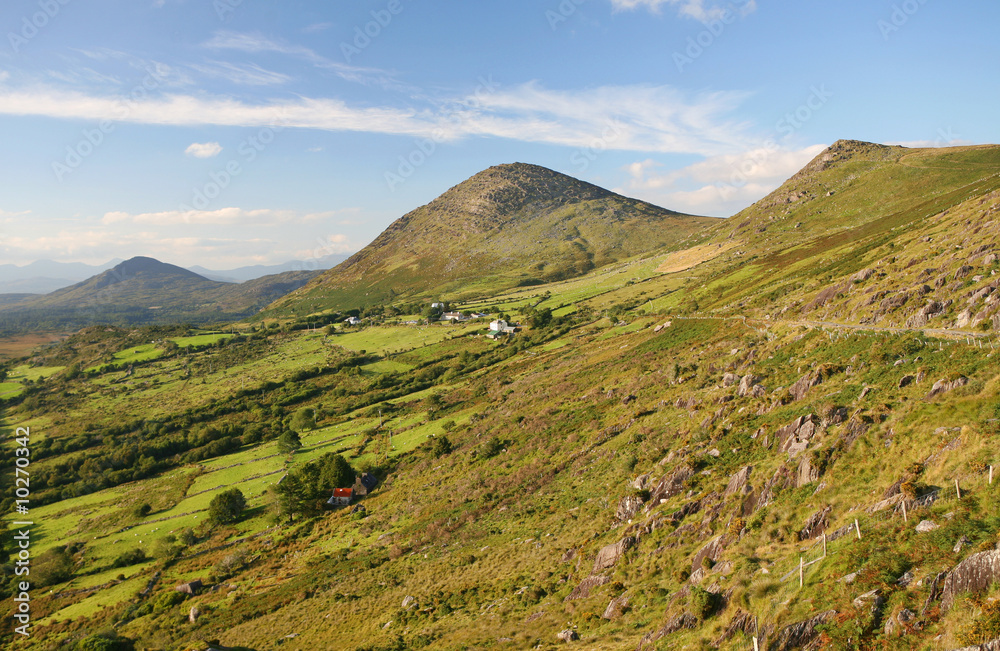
x: 568, y: 635
x: 730, y: 379
x: 582, y: 591
x: 905, y: 580
x: 796, y: 636
x: 794, y: 438
x: 616, y: 608
x: 943, y: 386
x: 739, y: 482
x: 848, y: 579
x: 925, y: 526
x: 628, y: 506
x: 610, y: 554
x: 975, y: 574
x: 194, y: 614
x: 898, y: 622
x: 408, y: 601
x: 962, y: 543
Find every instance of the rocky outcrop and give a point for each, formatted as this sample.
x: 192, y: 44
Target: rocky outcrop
x: 567, y: 635
x: 975, y: 574
x: 671, y: 485
x: 610, y: 554
x: 739, y: 483
x: 749, y: 386
x: 798, y: 635
x: 794, y: 438
x: 945, y: 385
x: 628, y: 506
x: 988, y: 646
x: 806, y: 473
x: 712, y: 551
x: 616, y: 608
x: 900, y: 623
x: 816, y: 524
x: 582, y: 591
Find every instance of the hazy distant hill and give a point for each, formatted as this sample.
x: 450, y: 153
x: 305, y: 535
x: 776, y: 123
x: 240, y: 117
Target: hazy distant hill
x: 145, y: 290
x: 509, y: 225
x: 243, y: 274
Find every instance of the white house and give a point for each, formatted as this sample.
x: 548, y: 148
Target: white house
x: 352, y: 320
x: 500, y: 325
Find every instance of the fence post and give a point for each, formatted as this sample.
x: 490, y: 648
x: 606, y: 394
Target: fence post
x: 755, y: 647
x: 991, y: 475
x: 800, y: 571
x: 905, y: 519
x: 958, y: 491
x: 857, y: 528
x: 824, y: 544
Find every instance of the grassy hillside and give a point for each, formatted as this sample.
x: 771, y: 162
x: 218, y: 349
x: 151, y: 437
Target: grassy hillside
x: 631, y: 467
x: 507, y: 226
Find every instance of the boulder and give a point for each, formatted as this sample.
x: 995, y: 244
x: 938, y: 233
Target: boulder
x: 964, y: 319
x: 794, y: 438
x: 747, y: 385
x: 712, y: 551
x: 816, y: 524
x: 803, y: 384
x: 906, y: 381
x: 730, y: 379
x: 944, y: 385
x: 194, y: 614
x: 987, y: 646
x: 898, y: 623
x: 975, y: 574
x: 610, y: 554
x: 678, y: 623
x: 408, y: 601
x: 739, y: 483
x: 568, y: 635
x: 671, y: 485
x: 926, y: 526
x: 796, y: 636
x: 616, y: 608
x: 862, y: 275
x: 806, y: 472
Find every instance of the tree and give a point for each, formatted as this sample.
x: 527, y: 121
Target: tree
x: 227, y: 506
x: 335, y: 472
x: 289, y: 441
x: 108, y: 641
x: 303, y: 419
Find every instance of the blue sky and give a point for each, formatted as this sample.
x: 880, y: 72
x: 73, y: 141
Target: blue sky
x: 231, y: 132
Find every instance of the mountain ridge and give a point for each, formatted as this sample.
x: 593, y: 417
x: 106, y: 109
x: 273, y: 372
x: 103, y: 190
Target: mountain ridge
x: 509, y: 225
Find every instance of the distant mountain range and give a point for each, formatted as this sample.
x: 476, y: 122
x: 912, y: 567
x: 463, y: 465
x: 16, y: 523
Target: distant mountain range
x: 144, y: 290
x: 45, y: 276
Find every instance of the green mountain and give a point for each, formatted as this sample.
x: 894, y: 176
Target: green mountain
x: 144, y: 290
x: 744, y: 440
x: 510, y: 225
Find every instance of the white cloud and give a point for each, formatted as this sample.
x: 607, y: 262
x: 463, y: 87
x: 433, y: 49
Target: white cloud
x: 627, y: 118
x: 203, y: 149
x: 4, y: 76
x: 719, y: 185
x: 695, y: 9
x: 249, y: 74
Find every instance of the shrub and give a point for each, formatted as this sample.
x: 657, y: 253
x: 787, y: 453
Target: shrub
x: 227, y: 506
x: 701, y: 603
x: 131, y: 557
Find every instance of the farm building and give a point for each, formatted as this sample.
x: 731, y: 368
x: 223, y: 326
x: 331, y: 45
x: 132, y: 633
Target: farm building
x: 364, y: 484
x: 341, y: 497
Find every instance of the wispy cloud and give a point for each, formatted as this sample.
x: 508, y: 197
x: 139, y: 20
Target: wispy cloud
x: 249, y: 74
x: 719, y: 185
x: 643, y: 118
x: 203, y: 149
x: 701, y: 10
x: 257, y: 43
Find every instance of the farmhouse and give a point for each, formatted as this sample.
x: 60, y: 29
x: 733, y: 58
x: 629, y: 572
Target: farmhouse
x: 341, y: 497
x: 364, y: 484
x: 454, y: 316
x: 352, y: 320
